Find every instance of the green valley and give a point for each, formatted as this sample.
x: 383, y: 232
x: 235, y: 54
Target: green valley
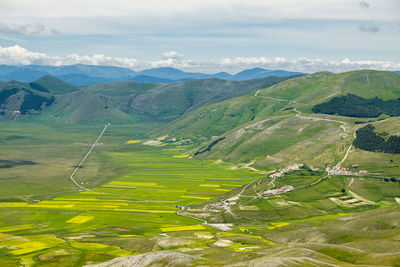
x: 203, y: 172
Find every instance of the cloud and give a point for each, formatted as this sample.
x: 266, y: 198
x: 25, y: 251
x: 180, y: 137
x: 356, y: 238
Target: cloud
x: 133, y: 16
x: 364, y: 4
x: 172, y: 55
x: 369, y: 28
x: 16, y: 55
x: 55, y: 31
x: 21, y: 29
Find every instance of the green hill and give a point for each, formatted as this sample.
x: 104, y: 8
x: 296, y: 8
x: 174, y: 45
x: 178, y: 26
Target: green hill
x: 18, y: 99
x: 53, y: 85
x: 276, y: 128
x: 322, y: 86
x: 121, y: 102
x: 167, y: 102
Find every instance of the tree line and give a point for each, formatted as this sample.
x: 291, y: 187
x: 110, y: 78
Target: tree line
x: 368, y: 140
x: 352, y: 105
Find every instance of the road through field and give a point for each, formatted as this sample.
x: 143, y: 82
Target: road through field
x: 81, y: 187
x: 71, y: 177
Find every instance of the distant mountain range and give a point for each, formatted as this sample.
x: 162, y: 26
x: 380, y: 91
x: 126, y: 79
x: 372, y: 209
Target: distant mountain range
x: 86, y: 75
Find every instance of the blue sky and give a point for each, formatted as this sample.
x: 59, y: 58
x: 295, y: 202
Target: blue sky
x: 209, y: 36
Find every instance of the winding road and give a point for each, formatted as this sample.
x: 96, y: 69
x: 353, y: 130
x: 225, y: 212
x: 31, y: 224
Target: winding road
x: 300, y: 115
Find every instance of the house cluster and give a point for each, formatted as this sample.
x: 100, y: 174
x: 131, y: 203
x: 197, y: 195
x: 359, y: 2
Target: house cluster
x: 222, y: 205
x: 281, y: 190
x: 215, y: 207
x: 338, y: 170
x: 280, y: 173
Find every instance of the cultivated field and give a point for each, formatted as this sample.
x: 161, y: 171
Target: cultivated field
x: 135, y: 202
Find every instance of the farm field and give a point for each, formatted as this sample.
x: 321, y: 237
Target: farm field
x: 314, y: 194
x: 92, y: 226
x: 37, y: 156
x: 135, y: 210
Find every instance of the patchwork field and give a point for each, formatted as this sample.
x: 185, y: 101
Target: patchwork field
x: 80, y: 227
x: 314, y: 194
x: 141, y: 199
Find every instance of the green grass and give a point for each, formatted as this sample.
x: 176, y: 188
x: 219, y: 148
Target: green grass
x: 36, y: 157
x: 322, y: 86
x: 268, y: 132
x: 76, y: 228
x: 309, y: 199
x: 111, y: 210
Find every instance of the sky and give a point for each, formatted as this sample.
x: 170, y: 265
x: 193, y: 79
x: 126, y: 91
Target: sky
x: 208, y: 35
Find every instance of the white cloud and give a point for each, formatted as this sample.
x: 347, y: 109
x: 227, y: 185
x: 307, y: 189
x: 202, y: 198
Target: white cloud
x: 21, y: 29
x: 115, y: 16
x: 16, y: 55
x: 172, y: 55
x: 283, y: 9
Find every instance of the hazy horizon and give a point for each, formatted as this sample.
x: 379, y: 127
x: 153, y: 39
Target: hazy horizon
x: 205, y: 36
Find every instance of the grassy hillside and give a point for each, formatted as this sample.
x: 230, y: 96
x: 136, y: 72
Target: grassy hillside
x: 378, y: 163
x: 276, y: 127
x: 320, y: 87
x: 119, y: 102
x: 53, y: 85
x: 167, y: 102
x: 18, y: 99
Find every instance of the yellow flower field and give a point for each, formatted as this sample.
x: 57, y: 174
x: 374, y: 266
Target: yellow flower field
x: 80, y: 219
x: 133, y: 141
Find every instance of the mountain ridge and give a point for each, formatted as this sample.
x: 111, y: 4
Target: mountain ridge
x: 87, y: 75
x: 122, y: 102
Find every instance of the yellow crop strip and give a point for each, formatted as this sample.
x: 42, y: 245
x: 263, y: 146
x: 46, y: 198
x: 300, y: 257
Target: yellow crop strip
x: 183, y: 228
x: 123, y: 184
x: 52, y: 206
x: 80, y: 219
x: 28, y: 247
x: 13, y: 204
x: 92, y: 193
x: 16, y: 228
x: 61, y: 199
x: 180, y: 156
x: 126, y: 235
x: 210, y: 185
x: 146, y: 211
x: 222, y: 190
x: 194, y: 197
x: 133, y: 141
